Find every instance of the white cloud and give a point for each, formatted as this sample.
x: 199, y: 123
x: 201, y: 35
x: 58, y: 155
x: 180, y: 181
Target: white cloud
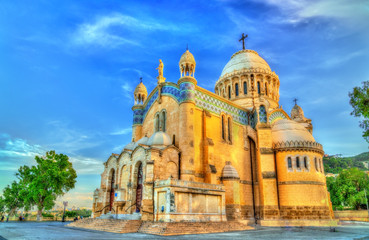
x: 18, y: 148
x: 86, y: 165
x: 111, y: 31
x: 71, y: 139
x: 296, y: 11
x: 332, y: 62
x: 122, y: 131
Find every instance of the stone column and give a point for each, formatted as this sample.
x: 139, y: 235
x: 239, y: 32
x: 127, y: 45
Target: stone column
x: 269, y: 206
x: 148, y: 192
x: 186, y: 127
x: 137, y: 122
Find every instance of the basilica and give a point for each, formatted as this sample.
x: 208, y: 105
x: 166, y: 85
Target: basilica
x: 231, y: 154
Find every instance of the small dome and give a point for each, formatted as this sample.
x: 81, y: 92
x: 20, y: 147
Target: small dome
x: 287, y: 130
x: 187, y: 64
x: 142, y: 141
x: 140, y: 89
x: 187, y: 57
x: 229, y: 171
x: 140, y: 93
x: 159, y: 139
x: 130, y: 146
x: 245, y: 59
x: 297, y: 113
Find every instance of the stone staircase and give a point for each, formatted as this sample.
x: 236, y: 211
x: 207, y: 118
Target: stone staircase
x: 180, y: 228
x: 159, y: 228
x: 108, y: 225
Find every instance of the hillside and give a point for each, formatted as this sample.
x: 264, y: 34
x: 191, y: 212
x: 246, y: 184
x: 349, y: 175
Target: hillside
x: 335, y: 164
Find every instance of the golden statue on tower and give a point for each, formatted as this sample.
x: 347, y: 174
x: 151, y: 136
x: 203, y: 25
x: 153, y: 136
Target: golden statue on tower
x: 160, y: 69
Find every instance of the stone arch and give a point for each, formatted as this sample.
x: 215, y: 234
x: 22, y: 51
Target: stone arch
x: 163, y: 120
x: 157, y: 122
x: 111, y: 187
x: 229, y: 128
x: 137, y: 184
x: 223, y: 126
x: 124, y: 180
x: 172, y: 170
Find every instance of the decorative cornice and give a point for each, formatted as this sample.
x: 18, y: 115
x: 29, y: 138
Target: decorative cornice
x: 187, y: 79
x: 246, y: 71
x: 301, y: 182
x: 298, y: 145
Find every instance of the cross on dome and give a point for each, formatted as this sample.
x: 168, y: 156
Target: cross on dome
x: 243, y: 40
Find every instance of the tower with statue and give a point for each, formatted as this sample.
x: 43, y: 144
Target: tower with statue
x: 229, y: 155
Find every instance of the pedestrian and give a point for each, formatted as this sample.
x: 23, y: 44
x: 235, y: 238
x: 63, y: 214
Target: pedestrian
x: 2, y: 218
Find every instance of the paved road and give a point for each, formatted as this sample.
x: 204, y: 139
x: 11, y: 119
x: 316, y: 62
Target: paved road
x: 57, y: 230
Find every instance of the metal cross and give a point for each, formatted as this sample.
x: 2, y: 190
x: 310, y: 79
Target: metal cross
x: 243, y: 40
x: 295, y: 100
x: 141, y: 79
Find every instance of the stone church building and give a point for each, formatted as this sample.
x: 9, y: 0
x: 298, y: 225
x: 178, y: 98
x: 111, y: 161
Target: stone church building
x: 231, y: 154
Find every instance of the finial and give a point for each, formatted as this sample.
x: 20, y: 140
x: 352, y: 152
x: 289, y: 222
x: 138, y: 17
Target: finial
x: 141, y: 79
x: 295, y: 100
x: 243, y: 40
x: 187, y: 47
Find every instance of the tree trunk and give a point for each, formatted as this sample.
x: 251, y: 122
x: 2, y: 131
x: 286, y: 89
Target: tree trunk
x: 39, y: 215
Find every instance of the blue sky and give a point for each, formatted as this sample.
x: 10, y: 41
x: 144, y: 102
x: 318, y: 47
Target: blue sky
x: 68, y: 69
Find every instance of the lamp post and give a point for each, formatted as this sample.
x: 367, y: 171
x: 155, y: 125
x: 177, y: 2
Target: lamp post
x: 65, y: 205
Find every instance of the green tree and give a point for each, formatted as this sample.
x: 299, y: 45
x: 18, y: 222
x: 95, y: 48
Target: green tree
x: 13, y: 199
x: 51, y: 178
x: 2, y: 206
x: 359, y: 100
x: 348, y: 188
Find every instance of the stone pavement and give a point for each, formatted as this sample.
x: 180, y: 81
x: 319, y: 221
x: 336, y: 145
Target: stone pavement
x: 57, y: 230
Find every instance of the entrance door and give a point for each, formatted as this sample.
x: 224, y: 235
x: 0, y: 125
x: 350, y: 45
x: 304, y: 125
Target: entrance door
x: 112, y: 191
x: 139, y: 189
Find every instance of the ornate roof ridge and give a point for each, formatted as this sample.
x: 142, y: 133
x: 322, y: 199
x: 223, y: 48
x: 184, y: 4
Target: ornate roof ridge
x: 311, y: 145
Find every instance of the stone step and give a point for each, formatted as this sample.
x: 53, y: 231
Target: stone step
x: 159, y: 228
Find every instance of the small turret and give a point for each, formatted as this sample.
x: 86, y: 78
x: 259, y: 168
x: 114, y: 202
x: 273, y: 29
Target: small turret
x: 187, y: 64
x: 140, y: 93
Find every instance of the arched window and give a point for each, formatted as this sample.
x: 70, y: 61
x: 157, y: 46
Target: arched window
x: 223, y: 130
x: 316, y: 164
x: 266, y: 89
x: 229, y: 92
x: 163, y: 121
x: 245, y: 88
x: 229, y: 129
x: 157, y: 122
x: 298, y: 162
x: 236, y: 87
x: 321, y: 165
x: 306, y: 163
x: 258, y: 87
x: 289, y: 161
